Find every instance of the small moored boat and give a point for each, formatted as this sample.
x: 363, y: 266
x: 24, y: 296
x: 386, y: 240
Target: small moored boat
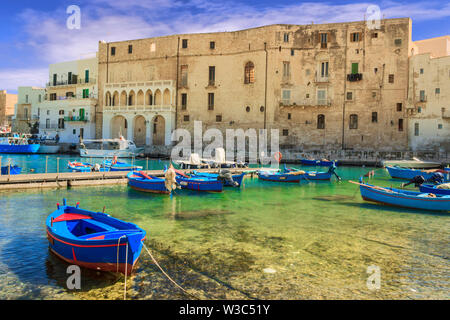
x: 79, y: 166
x: 408, y: 174
x: 316, y: 162
x: 142, y: 182
x: 115, y: 165
x: 443, y: 188
x: 294, y: 175
x: 9, y: 169
x: 94, y: 240
x: 403, y: 198
x: 198, y: 183
x: 235, y: 181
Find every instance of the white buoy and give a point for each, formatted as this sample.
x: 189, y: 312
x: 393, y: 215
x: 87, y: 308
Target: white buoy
x: 269, y: 270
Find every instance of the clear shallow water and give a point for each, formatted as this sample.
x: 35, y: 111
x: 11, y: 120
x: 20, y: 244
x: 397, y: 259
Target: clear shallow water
x: 318, y: 237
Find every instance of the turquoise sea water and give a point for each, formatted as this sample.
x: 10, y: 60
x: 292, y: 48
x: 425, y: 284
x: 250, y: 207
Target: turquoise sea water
x: 263, y: 241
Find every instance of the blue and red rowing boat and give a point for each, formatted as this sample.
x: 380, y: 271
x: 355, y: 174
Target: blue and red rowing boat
x: 139, y: 180
x: 430, y: 188
x: 198, y: 183
x: 404, y: 198
x: 94, y: 240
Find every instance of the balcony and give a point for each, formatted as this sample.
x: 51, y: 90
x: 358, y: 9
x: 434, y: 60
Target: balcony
x: 70, y: 97
x: 422, y: 98
x: 76, y: 119
x: 321, y: 79
x: 352, y: 77
x: 154, y: 108
x: 71, y: 83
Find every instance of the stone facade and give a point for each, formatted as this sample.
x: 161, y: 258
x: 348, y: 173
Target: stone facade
x: 332, y: 86
x: 429, y: 96
x: 7, y: 102
x: 26, y: 113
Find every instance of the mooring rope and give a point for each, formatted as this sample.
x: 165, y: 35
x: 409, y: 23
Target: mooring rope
x: 168, y: 277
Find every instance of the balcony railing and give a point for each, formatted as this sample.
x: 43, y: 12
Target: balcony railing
x: 423, y: 98
x: 140, y: 108
x: 70, y: 97
x: 354, y: 77
x: 320, y: 78
x: 72, y: 82
x: 307, y: 102
x: 76, y: 119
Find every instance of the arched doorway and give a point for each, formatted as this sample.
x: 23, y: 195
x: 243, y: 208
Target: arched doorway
x: 119, y: 127
x: 158, y: 130
x: 139, y: 131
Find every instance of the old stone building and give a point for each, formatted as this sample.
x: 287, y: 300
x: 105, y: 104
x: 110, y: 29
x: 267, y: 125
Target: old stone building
x: 325, y: 86
x: 7, y: 102
x: 26, y: 114
x: 429, y: 95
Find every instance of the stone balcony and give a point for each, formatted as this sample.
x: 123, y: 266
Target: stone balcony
x: 152, y: 108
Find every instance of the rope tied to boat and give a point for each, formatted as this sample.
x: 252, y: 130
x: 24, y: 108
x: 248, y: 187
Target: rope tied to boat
x: 168, y: 277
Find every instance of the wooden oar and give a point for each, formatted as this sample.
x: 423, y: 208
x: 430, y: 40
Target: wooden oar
x: 373, y: 187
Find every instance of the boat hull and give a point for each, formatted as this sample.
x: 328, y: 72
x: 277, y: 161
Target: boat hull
x: 200, y: 184
x: 115, y: 250
x: 238, y: 178
x: 428, y: 188
x: 408, y: 174
x: 411, y: 164
x: 407, y: 199
x: 285, y: 177
x: 139, y: 183
x: 11, y: 170
x: 321, y: 163
x: 23, y: 148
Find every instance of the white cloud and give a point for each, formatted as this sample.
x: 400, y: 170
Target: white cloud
x: 11, y: 79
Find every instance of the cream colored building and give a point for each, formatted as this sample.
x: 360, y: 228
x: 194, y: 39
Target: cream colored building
x: 7, y: 102
x: 429, y: 95
x: 324, y: 86
x: 26, y: 114
x: 71, y: 100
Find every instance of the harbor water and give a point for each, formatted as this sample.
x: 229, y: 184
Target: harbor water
x: 313, y: 240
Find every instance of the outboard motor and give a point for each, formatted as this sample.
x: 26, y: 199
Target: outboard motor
x: 436, y: 178
x: 332, y: 170
x: 417, y: 180
x: 226, y: 177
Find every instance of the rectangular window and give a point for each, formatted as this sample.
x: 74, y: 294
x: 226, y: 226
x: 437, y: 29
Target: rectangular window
x: 113, y: 51
x: 130, y: 48
x: 186, y: 118
x: 349, y: 95
x: 47, y: 123
x: 422, y: 96
x: 374, y: 117
x: 398, y: 42
x: 439, y: 126
x: 323, y: 40
x: 212, y: 75
x: 218, y: 118
x: 210, y: 101
x: 61, y: 123
x: 69, y: 78
x: 286, y: 37
x: 285, y: 132
x: 212, y: 45
x: 391, y: 78
x: 399, y: 107
x: 286, y: 96
x: 85, y: 93
x: 183, y: 101
x: 400, y: 124
x: 184, y: 75
x: 321, y: 97
x: 353, y: 121
x: 184, y: 44
x: 416, y: 129
x: 375, y: 35
x: 289, y: 116
x: 86, y: 76
x: 26, y: 98
x: 438, y: 90
x: 355, y: 68
x: 355, y: 37
x: 54, y: 79
x: 40, y: 98
x: 324, y: 69
x: 52, y: 96
x: 286, y: 70
x: 421, y: 70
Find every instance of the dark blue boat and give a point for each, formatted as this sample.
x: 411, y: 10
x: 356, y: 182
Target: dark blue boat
x: 237, y: 178
x: 198, y: 183
x: 142, y: 182
x: 404, y: 198
x: 294, y: 175
x: 316, y: 162
x: 94, y: 240
x: 430, y: 188
x: 12, y: 170
x: 120, y: 166
x: 408, y: 174
x: 79, y: 166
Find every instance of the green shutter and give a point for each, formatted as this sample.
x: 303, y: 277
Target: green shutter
x: 86, y: 76
x: 354, y: 68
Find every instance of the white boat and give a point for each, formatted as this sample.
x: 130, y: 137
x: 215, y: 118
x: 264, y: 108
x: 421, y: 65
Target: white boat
x: 109, y: 148
x: 219, y: 161
x: 413, y: 164
x: 49, y: 148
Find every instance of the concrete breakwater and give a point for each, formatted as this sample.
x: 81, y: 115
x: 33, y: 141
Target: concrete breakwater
x: 72, y: 179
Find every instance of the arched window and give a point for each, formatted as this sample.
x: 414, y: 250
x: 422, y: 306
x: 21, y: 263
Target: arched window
x: 249, y: 76
x: 353, y: 121
x: 321, y: 121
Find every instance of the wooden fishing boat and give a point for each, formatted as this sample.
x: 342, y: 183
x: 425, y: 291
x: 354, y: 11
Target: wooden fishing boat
x: 120, y: 166
x: 140, y: 181
x: 94, y: 240
x: 316, y: 162
x: 293, y: 175
x: 5, y: 170
x: 408, y: 174
x: 237, y: 178
x: 79, y: 166
x: 430, y: 188
x: 404, y: 198
x: 414, y: 163
x: 198, y: 183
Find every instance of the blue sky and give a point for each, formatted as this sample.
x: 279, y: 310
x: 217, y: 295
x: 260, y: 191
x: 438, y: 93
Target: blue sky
x: 33, y: 33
